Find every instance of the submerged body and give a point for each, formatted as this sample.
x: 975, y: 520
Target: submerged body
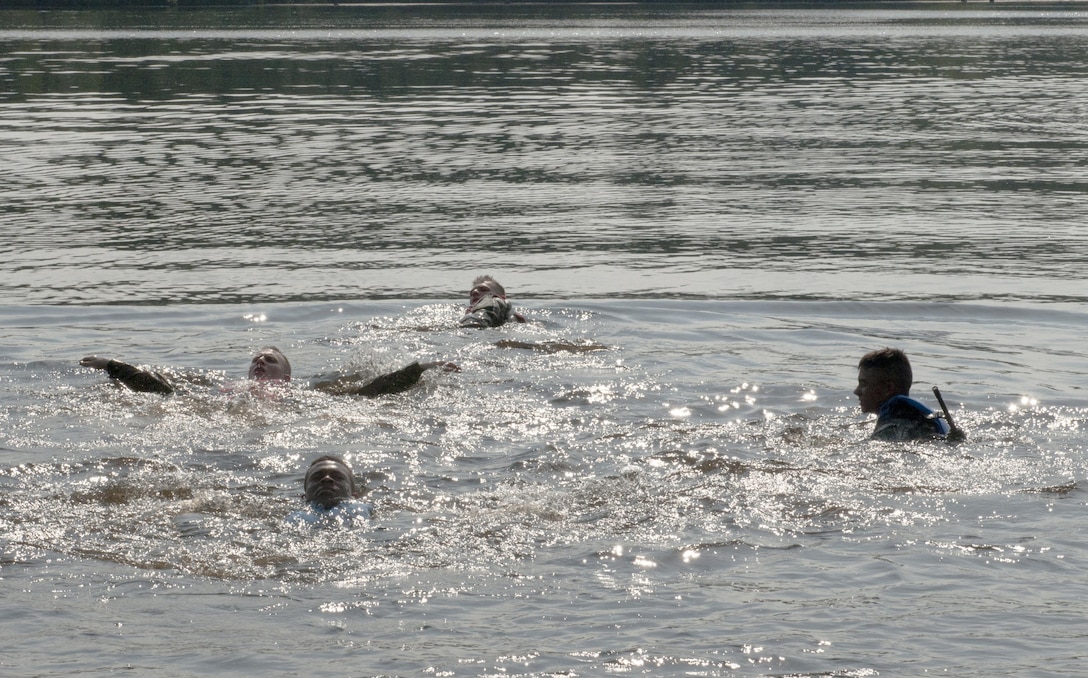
x: 348, y: 513
x: 903, y: 418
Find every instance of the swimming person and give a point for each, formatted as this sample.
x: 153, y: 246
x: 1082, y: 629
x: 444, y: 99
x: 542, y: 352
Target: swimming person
x: 884, y: 381
x: 270, y: 365
x: 487, y: 305
x: 332, y: 495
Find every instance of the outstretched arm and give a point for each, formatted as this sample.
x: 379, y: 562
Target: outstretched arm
x: 394, y: 382
x: 132, y: 377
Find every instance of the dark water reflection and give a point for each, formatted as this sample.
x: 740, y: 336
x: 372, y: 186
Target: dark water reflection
x: 809, y: 150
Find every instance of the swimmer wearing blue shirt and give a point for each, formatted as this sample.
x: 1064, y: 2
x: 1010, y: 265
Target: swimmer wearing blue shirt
x: 331, y: 495
x: 884, y: 381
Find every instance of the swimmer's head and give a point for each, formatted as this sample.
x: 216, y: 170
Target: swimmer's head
x: 270, y: 364
x: 483, y: 286
x: 882, y: 374
x: 329, y: 481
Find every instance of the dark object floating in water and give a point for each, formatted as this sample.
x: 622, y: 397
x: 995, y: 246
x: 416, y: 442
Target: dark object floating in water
x: 551, y: 346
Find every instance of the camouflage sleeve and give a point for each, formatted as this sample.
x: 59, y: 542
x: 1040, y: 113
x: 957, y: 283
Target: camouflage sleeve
x: 488, y: 312
x: 394, y: 382
x: 137, y: 379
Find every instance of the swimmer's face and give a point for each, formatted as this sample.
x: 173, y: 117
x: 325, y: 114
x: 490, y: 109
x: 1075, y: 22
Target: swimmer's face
x: 269, y: 365
x: 479, y: 292
x: 874, y: 387
x: 328, y: 483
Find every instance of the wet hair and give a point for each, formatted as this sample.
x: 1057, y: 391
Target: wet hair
x: 893, y: 362
x: 279, y: 356
x: 494, y: 284
x: 336, y: 460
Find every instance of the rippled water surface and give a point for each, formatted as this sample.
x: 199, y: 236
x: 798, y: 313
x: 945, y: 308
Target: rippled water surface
x: 707, y: 216
x: 361, y: 153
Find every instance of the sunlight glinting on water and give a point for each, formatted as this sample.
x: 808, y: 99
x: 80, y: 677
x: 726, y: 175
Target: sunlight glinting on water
x: 707, y: 216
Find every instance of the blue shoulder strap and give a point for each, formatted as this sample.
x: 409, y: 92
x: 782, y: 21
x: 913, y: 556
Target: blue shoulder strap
x: 901, y: 401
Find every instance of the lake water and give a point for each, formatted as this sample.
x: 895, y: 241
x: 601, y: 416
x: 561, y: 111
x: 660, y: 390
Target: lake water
x: 713, y: 213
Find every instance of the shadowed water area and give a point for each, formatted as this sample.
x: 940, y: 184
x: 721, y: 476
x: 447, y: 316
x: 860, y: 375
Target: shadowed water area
x: 377, y: 153
x: 707, y: 216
